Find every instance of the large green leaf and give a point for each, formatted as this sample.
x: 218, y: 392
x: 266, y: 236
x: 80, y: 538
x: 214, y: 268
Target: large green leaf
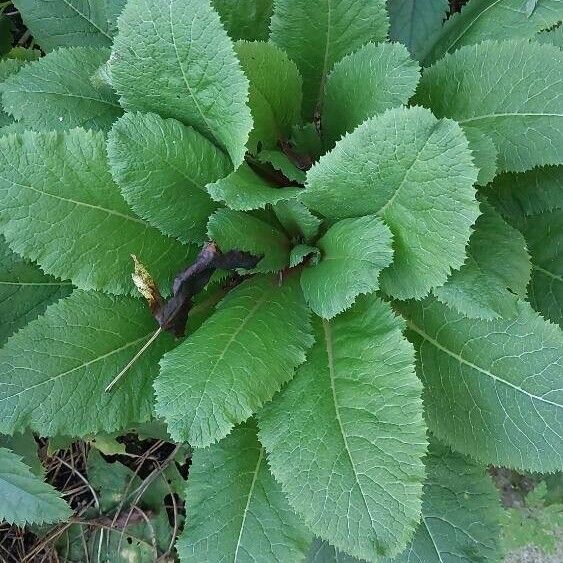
x: 62, y: 209
x: 162, y: 168
x: 392, y: 166
x: 415, y: 23
x: 25, y: 291
x: 245, y: 19
x: 553, y: 36
x: 56, y: 92
x: 25, y: 497
x: 252, y: 520
x: 322, y: 552
x: 495, y: 274
x: 69, y: 23
x: 54, y: 371
x: 485, y: 154
x: 493, y: 19
x: 460, y: 512
x: 173, y: 57
x: 316, y: 35
x: 235, y: 361
x: 367, y: 82
x: 275, y: 92
x: 297, y: 220
x: 510, y: 90
x: 346, y: 436
x: 353, y: 253
x: 492, y: 389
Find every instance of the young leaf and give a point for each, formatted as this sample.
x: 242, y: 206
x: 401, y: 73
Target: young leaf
x: 70, y: 23
x: 251, y: 518
x: 235, y: 361
x: 353, y: 253
x: 297, y: 220
x: 244, y: 190
x: 245, y: 19
x: 56, y: 92
x: 367, y: 82
x: 63, y: 210
x: 415, y: 23
x: 491, y: 388
x: 502, y: 19
x: 485, y: 154
x: 235, y: 230
x: 162, y: 168
x: 510, y: 91
x: 24, y: 445
x: 495, y: 274
x: 392, y: 166
x: 301, y: 252
x: 53, y: 372
x: 281, y: 162
x: 460, y: 512
x: 345, y: 438
x: 275, y: 92
x: 25, y: 291
x: 25, y: 497
x: 173, y: 57
x: 317, y: 35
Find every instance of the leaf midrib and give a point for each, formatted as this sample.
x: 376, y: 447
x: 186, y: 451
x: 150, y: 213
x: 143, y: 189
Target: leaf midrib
x: 76, y: 10
x: 507, y: 114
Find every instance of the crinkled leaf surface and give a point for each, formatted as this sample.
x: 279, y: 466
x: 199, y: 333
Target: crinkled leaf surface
x: 485, y: 154
x: 353, y: 253
x: 345, y: 438
x: 236, y: 230
x: 510, y: 90
x: 245, y: 19
x: 275, y: 92
x: 56, y: 92
x: 63, y: 210
x: 25, y: 497
x: 492, y: 389
x: 315, y: 35
x: 162, y: 168
x: 493, y: 19
x: 25, y: 291
x: 70, y: 23
x: 495, y: 274
x: 553, y: 36
x: 53, y: 372
x: 174, y: 58
x: 252, y: 520
x: 460, y: 512
x: 244, y: 190
x: 235, y: 361
x: 414, y: 23
x: 392, y: 166
x: 367, y: 82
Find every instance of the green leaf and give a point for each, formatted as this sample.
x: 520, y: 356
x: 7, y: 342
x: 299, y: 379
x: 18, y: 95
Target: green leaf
x: 173, y: 57
x: 25, y: 446
x: 69, y: 23
x: 491, y: 388
x: 63, y: 210
x: 23, y: 54
x: 297, y: 220
x: 25, y: 291
x: 317, y: 35
x: 460, y: 512
x: 235, y: 361
x: 508, y: 90
x: 275, y: 92
x: 322, y: 552
x: 282, y: 163
x: 25, y: 497
x: 480, y: 20
x: 251, y: 518
x: 245, y: 19
x: 495, y: 274
x: 235, y: 230
x: 54, y: 371
x: 301, y: 252
x: 244, y: 190
x: 353, y: 253
x: 345, y: 438
x: 553, y: 36
x: 56, y: 92
x: 162, y: 168
x: 392, y: 166
x: 415, y: 23
x: 365, y: 83
x: 485, y: 154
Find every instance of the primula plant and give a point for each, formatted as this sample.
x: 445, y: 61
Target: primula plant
x: 343, y: 220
